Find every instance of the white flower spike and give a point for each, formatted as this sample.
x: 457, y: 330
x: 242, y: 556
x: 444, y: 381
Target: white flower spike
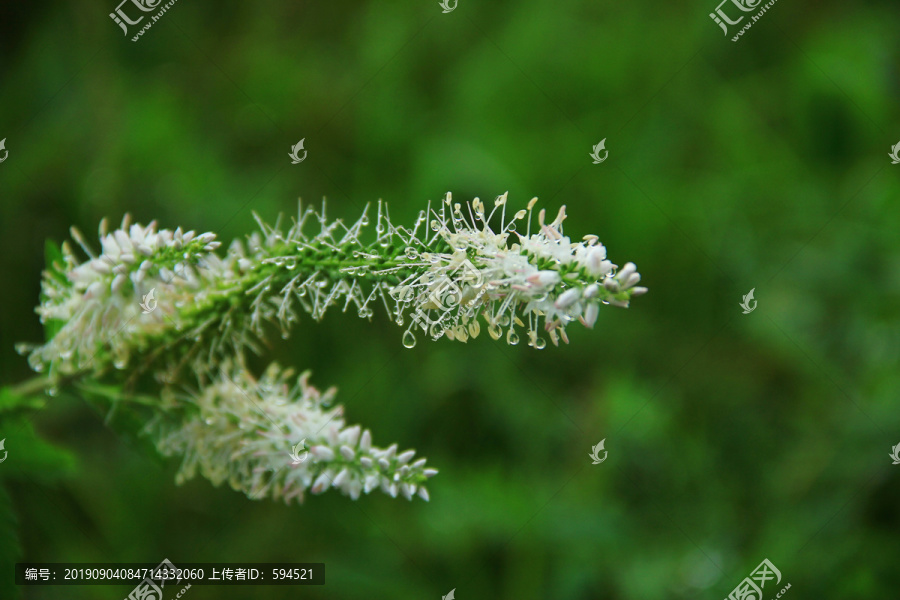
x: 163, y: 302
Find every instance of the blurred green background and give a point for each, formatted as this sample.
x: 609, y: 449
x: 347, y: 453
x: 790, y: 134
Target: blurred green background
x: 732, y: 438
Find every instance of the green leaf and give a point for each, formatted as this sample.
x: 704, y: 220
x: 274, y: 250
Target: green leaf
x: 53, y: 261
x: 10, y: 549
x: 25, y: 454
x: 14, y: 403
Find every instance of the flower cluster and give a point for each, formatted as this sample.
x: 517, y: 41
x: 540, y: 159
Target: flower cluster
x: 443, y: 276
x: 97, y: 302
x: 243, y: 431
x: 543, y: 281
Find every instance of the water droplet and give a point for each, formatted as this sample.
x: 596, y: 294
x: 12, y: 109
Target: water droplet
x: 411, y: 253
x: 120, y: 362
x: 409, y: 339
x: 512, y: 338
x: 494, y: 331
x: 503, y: 320
x: 291, y: 265
x: 435, y: 226
x: 540, y: 343
x: 208, y: 421
x: 399, y: 320
x: 474, y: 329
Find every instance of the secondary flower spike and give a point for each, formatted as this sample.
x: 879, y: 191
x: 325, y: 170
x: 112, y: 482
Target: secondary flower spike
x: 241, y: 431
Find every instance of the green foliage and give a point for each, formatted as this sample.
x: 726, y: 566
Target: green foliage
x: 27, y: 457
x: 758, y: 164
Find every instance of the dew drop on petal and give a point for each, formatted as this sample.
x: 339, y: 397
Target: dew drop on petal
x: 409, y: 339
x: 540, y: 343
x: 512, y: 338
